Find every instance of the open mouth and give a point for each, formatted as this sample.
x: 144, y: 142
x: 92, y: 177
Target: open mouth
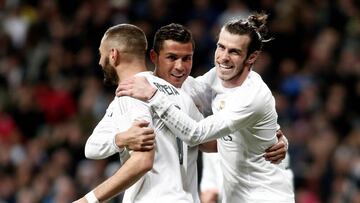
x: 177, y: 76
x: 223, y: 66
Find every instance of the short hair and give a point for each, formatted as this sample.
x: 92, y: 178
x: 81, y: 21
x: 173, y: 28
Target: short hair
x: 254, y: 26
x: 173, y: 31
x: 128, y: 38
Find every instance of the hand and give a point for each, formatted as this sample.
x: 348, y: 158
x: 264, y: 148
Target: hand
x: 139, y: 137
x: 209, y: 196
x: 276, y: 153
x: 136, y: 87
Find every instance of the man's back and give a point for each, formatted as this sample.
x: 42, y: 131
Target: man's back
x: 174, y: 174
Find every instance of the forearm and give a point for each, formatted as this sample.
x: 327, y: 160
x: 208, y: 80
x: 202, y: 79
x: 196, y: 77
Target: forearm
x: 189, y: 130
x: 208, y: 147
x: 127, y: 175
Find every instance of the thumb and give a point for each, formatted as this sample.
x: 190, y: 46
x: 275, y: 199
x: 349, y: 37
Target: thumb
x: 117, y: 91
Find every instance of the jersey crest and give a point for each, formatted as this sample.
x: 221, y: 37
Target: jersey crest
x: 221, y: 105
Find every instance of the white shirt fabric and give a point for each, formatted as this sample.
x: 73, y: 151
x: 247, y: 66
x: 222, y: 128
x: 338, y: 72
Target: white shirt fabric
x: 168, y: 181
x: 246, y: 121
x: 211, y: 174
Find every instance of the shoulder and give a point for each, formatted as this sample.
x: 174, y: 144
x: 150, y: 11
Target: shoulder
x: 209, y: 77
x: 252, y: 92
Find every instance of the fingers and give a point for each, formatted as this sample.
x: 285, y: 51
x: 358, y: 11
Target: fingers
x: 276, y: 146
x: 275, y: 156
x: 125, y: 87
x: 141, y: 123
x: 145, y: 145
x: 280, y: 151
x: 276, y: 159
x: 279, y: 134
x: 123, y: 91
x: 149, y: 137
x: 148, y: 144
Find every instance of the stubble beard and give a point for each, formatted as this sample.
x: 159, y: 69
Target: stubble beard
x: 226, y: 77
x: 110, y: 75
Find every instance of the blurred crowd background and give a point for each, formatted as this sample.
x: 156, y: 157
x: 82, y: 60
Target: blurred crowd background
x: 52, y: 95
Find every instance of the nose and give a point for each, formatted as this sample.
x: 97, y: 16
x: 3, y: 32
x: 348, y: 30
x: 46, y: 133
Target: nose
x: 179, y: 65
x: 224, y: 56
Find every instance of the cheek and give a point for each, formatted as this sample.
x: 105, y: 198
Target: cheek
x: 162, y: 72
x: 188, y: 66
x: 216, y: 54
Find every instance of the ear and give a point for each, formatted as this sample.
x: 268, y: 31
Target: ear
x: 114, y: 57
x: 252, y: 58
x: 153, y: 56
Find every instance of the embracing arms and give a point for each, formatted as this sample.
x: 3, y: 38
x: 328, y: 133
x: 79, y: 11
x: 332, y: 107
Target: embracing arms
x: 191, y: 131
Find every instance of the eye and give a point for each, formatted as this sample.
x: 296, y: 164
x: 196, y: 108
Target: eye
x: 171, y: 57
x: 220, y: 46
x: 187, y: 58
x: 234, y: 52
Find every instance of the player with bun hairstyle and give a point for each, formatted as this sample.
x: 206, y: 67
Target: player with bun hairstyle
x: 244, y: 115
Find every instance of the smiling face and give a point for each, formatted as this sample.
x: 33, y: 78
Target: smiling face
x: 173, y: 63
x: 231, y: 61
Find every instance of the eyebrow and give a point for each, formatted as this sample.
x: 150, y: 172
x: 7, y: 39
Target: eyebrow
x: 230, y: 49
x: 236, y: 50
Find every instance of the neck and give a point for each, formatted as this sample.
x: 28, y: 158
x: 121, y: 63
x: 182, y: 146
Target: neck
x: 127, y: 70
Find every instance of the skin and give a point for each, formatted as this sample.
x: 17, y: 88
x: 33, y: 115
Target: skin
x: 139, y: 162
x: 209, y: 196
x: 231, y: 61
x: 232, y: 65
x: 175, y: 60
x: 174, y: 63
x: 142, y: 137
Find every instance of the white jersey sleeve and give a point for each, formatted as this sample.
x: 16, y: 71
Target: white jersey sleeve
x: 211, y: 172
x: 101, y: 143
x: 190, y: 131
x: 118, y: 118
x: 244, y: 107
x: 201, y: 94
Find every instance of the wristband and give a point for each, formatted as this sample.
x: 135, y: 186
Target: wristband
x: 91, y: 198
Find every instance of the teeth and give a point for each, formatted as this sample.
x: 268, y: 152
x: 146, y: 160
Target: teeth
x: 224, y: 66
x: 178, y: 76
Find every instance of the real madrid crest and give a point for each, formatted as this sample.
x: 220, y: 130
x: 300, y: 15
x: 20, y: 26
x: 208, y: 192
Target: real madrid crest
x: 221, y: 105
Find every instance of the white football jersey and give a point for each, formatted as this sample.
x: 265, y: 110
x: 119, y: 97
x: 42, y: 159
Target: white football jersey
x: 173, y: 177
x: 245, y: 120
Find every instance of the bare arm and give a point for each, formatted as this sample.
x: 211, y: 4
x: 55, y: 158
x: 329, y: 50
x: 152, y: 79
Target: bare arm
x: 136, y: 166
x: 104, y: 143
x: 208, y: 147
x: 209, y: 196
x: 141, y: 89
x: 139, y: 137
